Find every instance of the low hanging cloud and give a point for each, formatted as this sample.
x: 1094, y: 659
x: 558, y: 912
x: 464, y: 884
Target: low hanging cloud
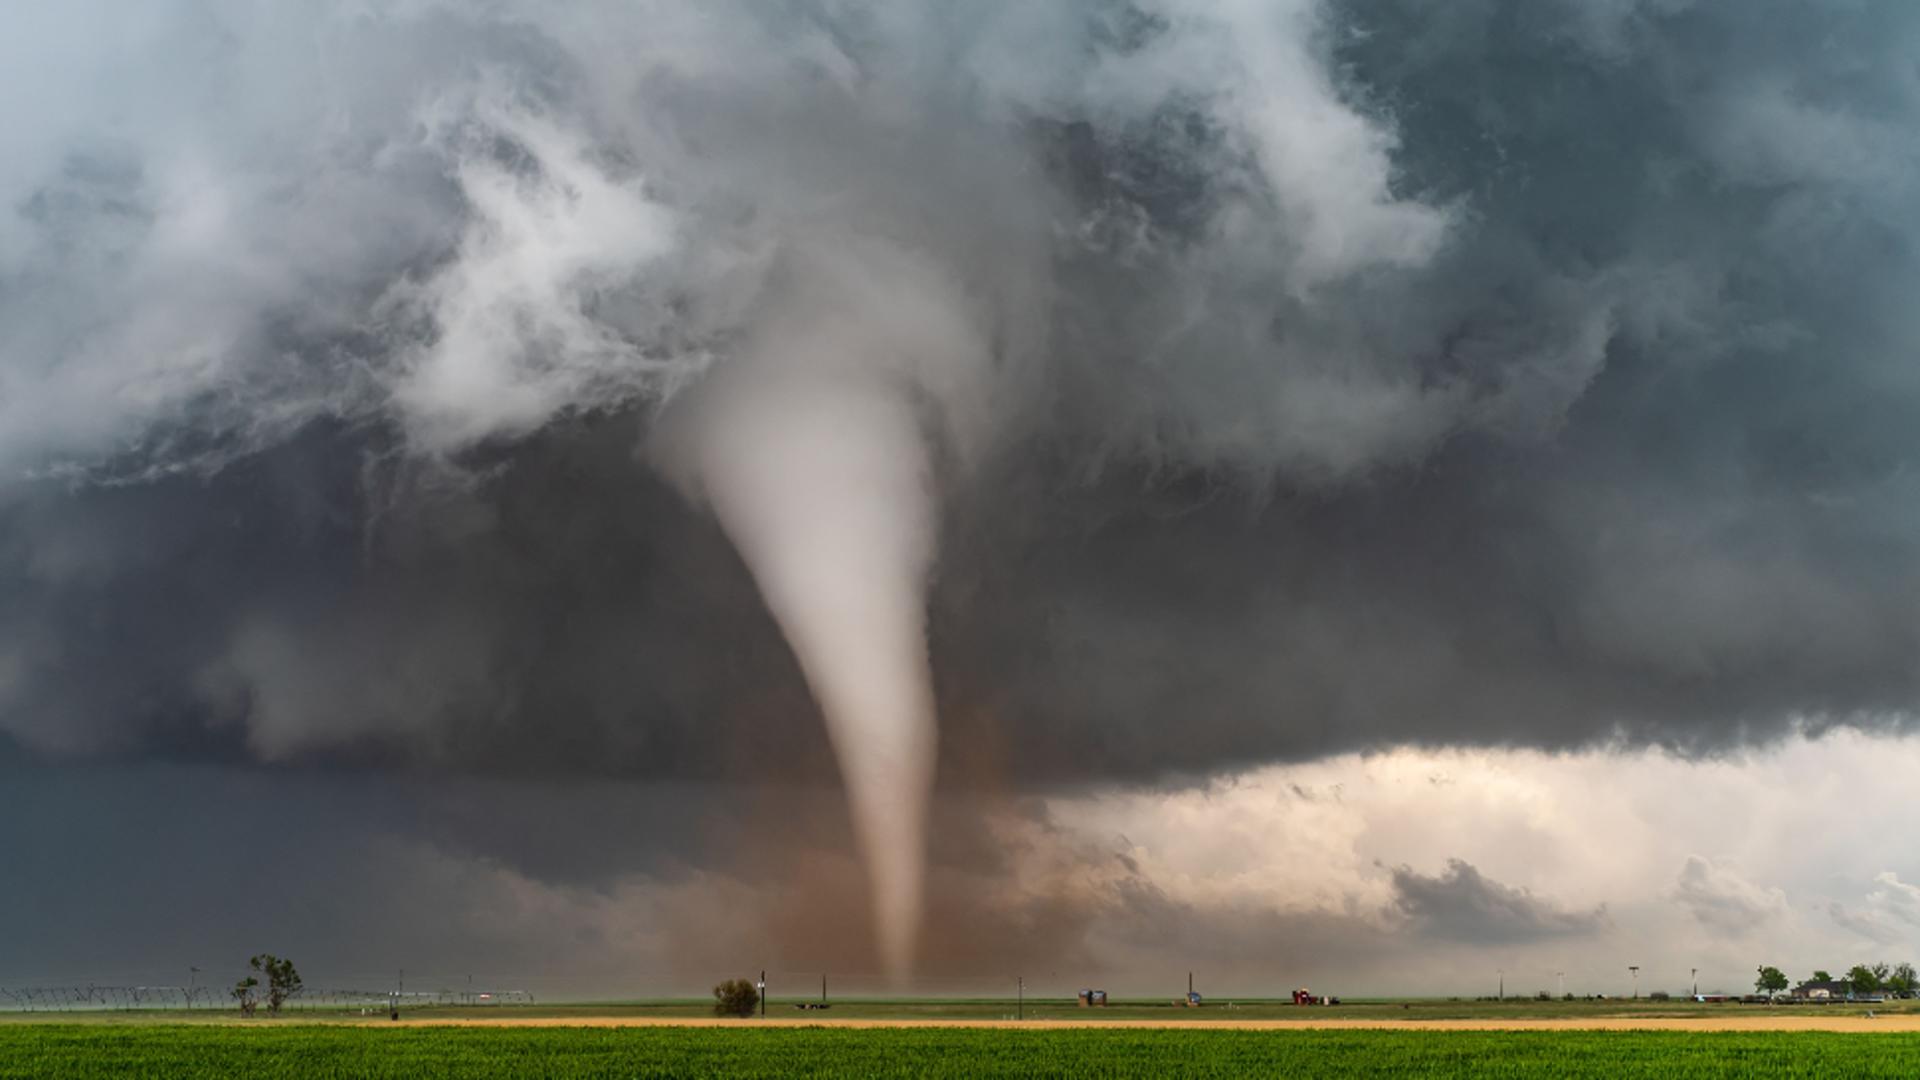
x: 594, y: 888
x: 1888, y: 914
x: 1899, y: 898
x: 1462, y: 904
x: 1869, y: 924
x: 1719, y: 898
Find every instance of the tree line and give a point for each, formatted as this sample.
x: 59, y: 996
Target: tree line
x: 1881, y: 978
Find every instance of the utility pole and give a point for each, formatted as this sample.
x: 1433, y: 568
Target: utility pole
x: 823, y: 988
x: 1020, y: 1010
x: 193, y: 976
x: 1635, y: 968
x: 1695, y: 972
x: 1503, y: 984
x: 1562, y: 976
x: 763, y: 995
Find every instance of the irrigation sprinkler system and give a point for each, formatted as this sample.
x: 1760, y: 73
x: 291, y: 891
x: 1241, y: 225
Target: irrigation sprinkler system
x: 92, y: 997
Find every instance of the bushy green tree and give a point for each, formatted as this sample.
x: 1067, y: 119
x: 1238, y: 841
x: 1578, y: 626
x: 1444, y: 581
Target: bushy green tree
x: 1902, y: 980
x: 1771, y: 981
x: 1821, y: 976
x: 1863, y: 979
x: 282, y: 980
x: 243, y: 993
x: 735, y: 997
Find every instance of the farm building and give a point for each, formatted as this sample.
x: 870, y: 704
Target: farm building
x: 1832, y: 990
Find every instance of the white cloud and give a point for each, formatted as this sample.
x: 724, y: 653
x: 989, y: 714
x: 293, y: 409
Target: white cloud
x: 1328, y: 168
x: 1895, y: 896
x: 1564, y: 833
x: 552, y: 233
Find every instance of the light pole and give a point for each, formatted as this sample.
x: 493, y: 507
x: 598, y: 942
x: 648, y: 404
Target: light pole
x: 762, y: 987
x: 1020, y: 1008
x: 1503, y: 984
x: 193, y: 976
x: 1695, y: 973
x: 1635, y: 968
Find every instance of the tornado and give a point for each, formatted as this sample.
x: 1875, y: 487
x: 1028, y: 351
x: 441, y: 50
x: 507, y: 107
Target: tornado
x: 815, y: 451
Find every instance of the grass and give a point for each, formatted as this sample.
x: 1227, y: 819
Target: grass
x: 266, y: 1051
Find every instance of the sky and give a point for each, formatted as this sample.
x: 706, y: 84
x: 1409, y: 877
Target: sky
x: 1353, y: 493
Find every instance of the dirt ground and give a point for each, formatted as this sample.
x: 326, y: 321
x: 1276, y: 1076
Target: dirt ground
x: 1767, y: 1022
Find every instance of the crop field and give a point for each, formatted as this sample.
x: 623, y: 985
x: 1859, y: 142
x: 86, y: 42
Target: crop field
x: 270, y: 1050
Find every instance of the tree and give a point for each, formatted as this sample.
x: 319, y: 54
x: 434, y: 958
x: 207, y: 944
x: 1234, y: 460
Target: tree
x: 1863, y: 979
x: 1771, y: 981
x: 1821, y: 976
x: 735, y: 997
x: 282, y: 980
x: 243, y: 993
x: 1902, y: 980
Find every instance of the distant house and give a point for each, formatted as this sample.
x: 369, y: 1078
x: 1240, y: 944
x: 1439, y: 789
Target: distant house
x: 1824, y: 990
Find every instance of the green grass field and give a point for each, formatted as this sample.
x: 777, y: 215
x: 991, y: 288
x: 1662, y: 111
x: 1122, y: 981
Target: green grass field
x: 281, y: 1049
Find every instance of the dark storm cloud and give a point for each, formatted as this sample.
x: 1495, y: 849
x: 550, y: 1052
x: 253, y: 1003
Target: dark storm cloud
x: 129, y: 873
x: 1462, y: 904
x: 1363, y: 373
x: 177, y: 616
